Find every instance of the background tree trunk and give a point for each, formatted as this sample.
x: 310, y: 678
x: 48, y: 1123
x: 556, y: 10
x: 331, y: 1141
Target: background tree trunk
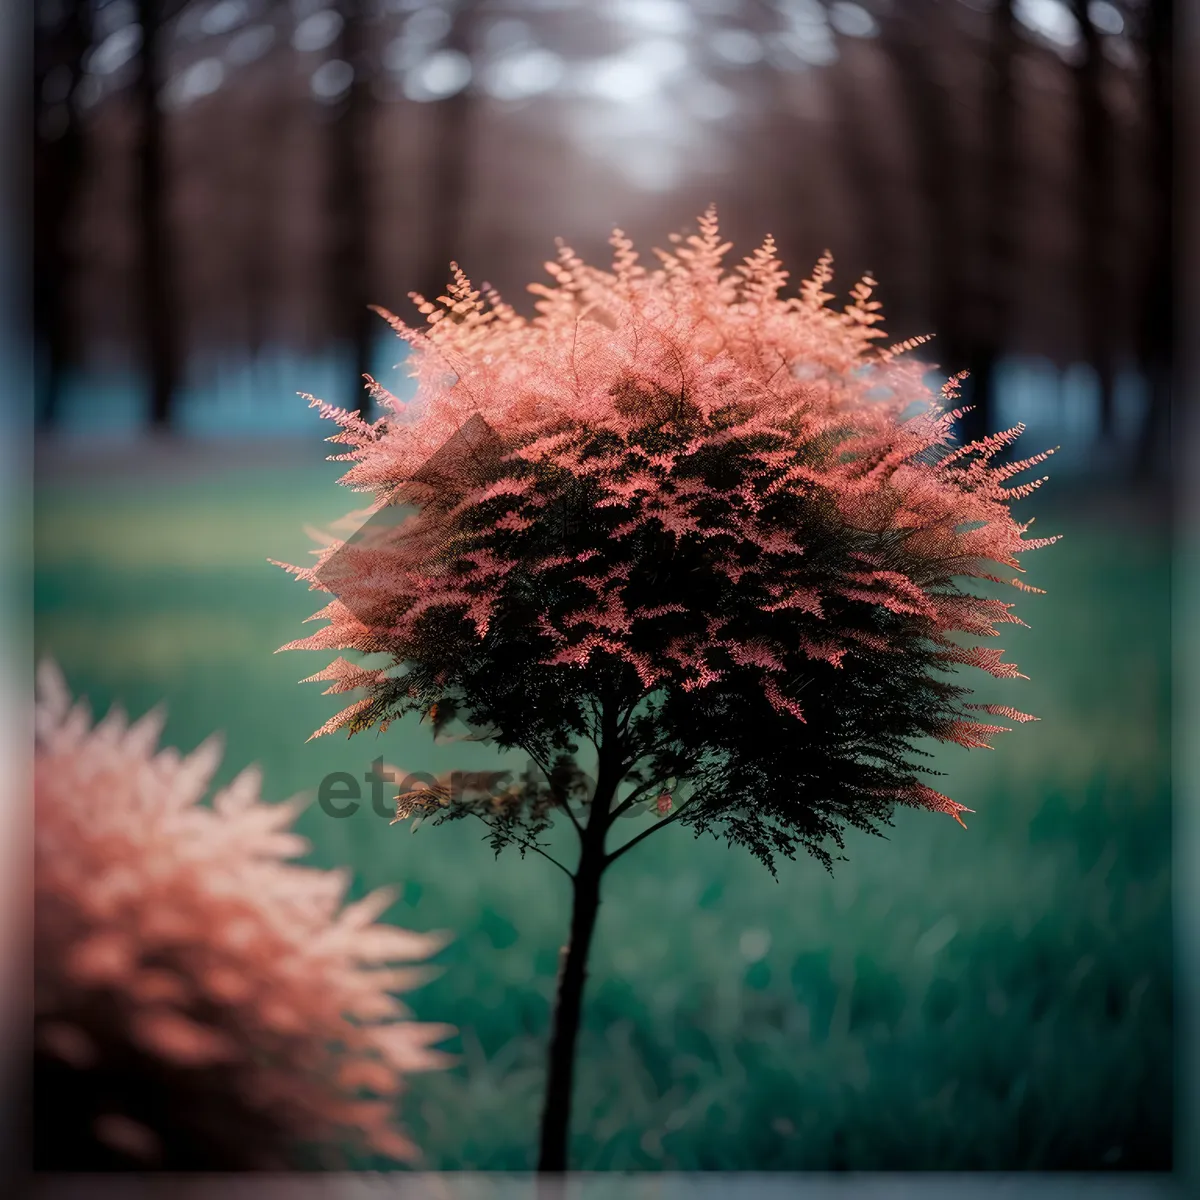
x: 914, y: 43
x: 350, y: 158
x: 996, y: 276
x: 449, y: 167
x: 259, y: 177
x: 855, y: 115
x: 1156, y: 324
x: 61, y: 160
x: 158, y: 290
x: 1095, y: 183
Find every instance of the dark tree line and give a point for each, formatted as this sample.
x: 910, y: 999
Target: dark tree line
x: 968, y: 186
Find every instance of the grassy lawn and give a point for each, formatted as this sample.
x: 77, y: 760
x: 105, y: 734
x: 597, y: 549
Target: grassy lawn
x: 991, y: 999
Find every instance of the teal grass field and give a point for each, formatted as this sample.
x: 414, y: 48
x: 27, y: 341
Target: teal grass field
x: 991, y: 999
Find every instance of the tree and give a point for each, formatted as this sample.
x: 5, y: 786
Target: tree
x: 1095, y: 190
x: 999, y: 241
x: 927, y: 111
x: 857, y: 117
x: 350, y: 134
x: 717, y: 534
x: 1156, y: 326
x: 158, y: 292
x: 61, y: 169
x: 452, y: 119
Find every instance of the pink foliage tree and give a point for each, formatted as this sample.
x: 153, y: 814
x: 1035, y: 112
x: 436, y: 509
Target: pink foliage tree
x: 719, y: 532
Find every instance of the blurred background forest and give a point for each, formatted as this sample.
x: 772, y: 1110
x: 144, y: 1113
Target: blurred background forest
x: 223, y: 186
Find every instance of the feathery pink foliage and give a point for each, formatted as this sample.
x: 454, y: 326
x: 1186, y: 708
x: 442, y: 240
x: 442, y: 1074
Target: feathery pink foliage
x: 178, y: 936
x: 622, y: 383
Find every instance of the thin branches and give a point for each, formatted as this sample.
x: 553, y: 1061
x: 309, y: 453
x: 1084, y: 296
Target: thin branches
x: 629, y: 845
x: 632, y: 799
x: 565, y: 800
x: 529, y: 845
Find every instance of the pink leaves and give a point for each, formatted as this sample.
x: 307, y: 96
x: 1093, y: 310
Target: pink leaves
x: 823, y: 651
x: 763, y: 276
x: 344, y: 676
x: 580, y: 655
x: 343, y: 719
x: 919, y: 796
x: 659, y: 610
x: 346, y: 633
x: 985, y: 659
x: 974, y: 615
x: 1003, y: 710
x: 792, y: 596
x: 754, y: 654
x: 174, y: 1037
x: 971, y: 734
x: 779, y: 701
x: 896, y: 592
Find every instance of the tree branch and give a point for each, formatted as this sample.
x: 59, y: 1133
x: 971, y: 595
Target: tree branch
x: 632, y: 798
x: 624, y: 722
x: 528, y: 845
x: 629, y: 845
x: 646, y: 751
x: 546, y: 771
x: 595, y: 735
x: 573, y: 818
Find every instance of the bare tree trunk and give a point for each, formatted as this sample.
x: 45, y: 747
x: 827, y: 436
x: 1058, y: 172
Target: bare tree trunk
x: 258, y: 180
x: 1156, y: 326
x: 997, y: 276
x: 61, y: 159
x: 912, y: 39
x: 350, y: 155
x: 1095, y: 183
x: 159, y: 294
x: 802, y: 236
x: 856, y: 104
x: 452, y: 120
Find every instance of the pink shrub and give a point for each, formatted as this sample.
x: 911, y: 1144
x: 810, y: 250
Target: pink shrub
x: 201, y: 1001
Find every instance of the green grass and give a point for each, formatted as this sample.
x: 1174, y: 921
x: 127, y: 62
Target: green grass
x: 991, y: 999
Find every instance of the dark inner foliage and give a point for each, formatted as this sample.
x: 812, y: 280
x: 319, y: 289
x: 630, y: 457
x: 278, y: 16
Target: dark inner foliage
x: 759, y: 777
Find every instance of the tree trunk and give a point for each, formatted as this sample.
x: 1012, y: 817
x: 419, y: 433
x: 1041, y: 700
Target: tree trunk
x: 258, y: 178
x: 568, y: 1004
x: 451, y: 122
x: 913, y: 39
x: 1157, y: 323
x: 57, y: 183
x: 351, y: 212
x: 996, y: 276
x: 1094, y: 183
x: 158, y: 298
x: 855, y: 115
